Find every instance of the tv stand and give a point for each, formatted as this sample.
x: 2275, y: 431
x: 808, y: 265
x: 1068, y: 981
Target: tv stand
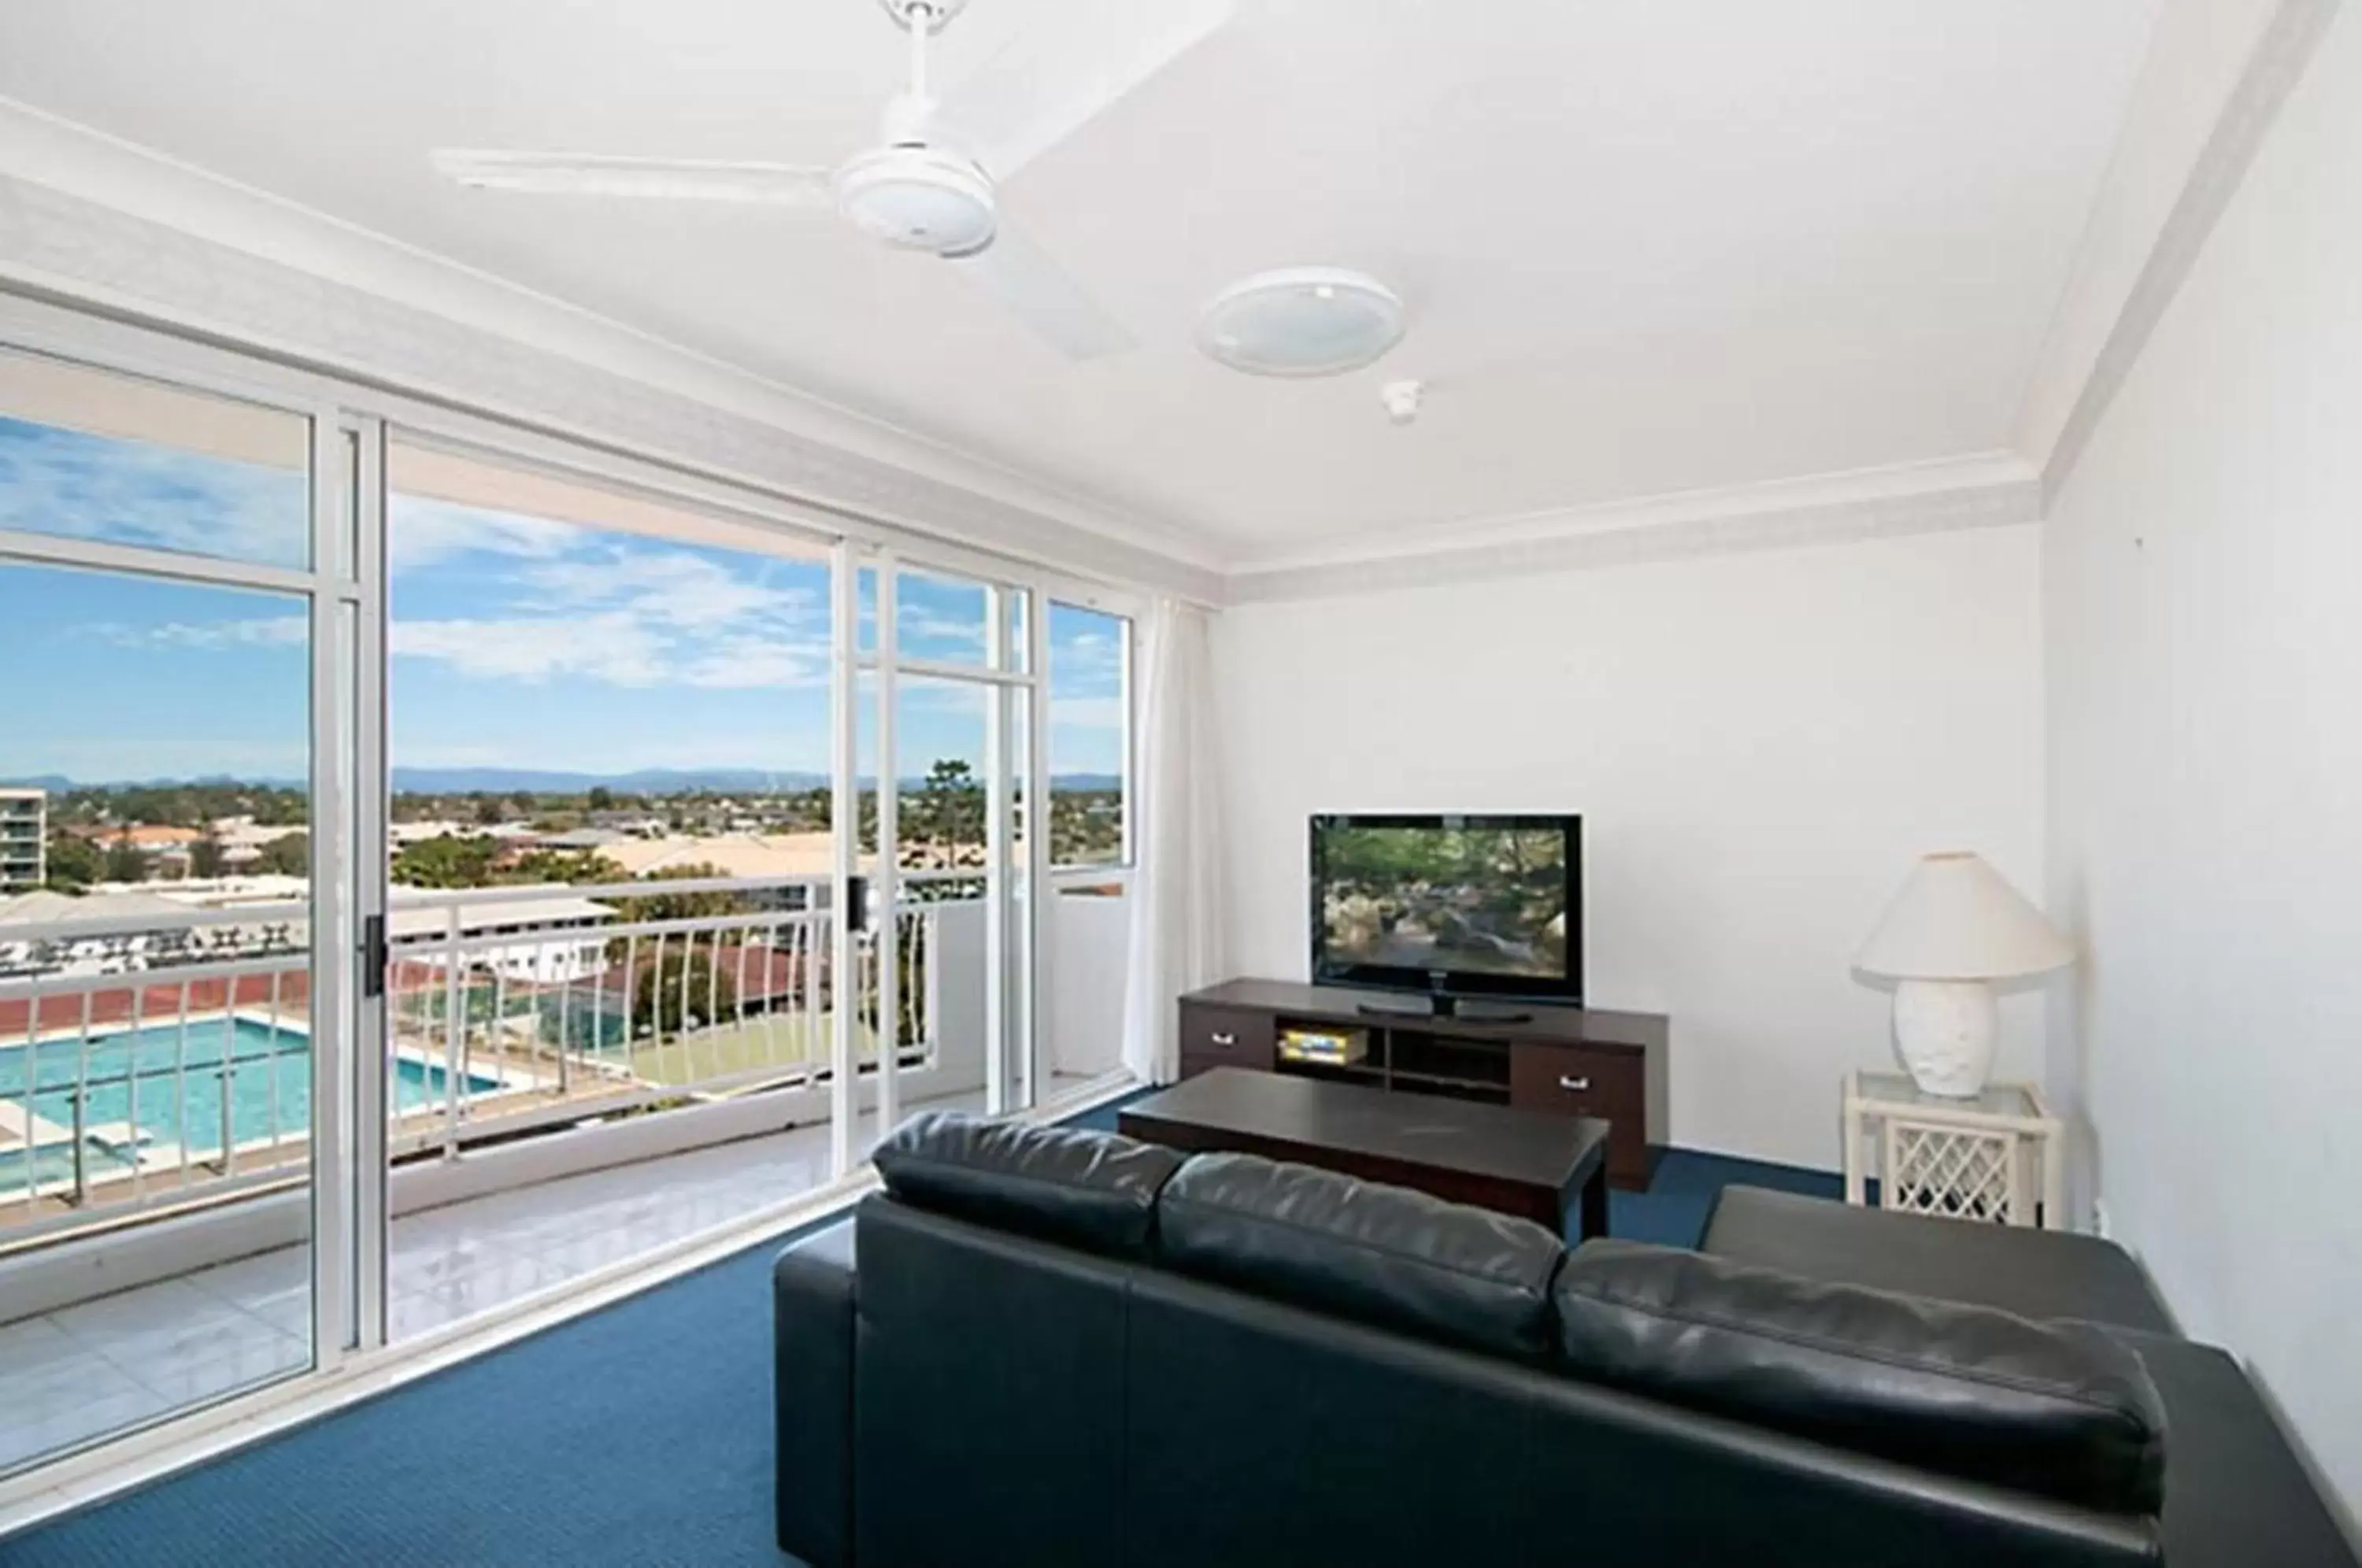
x: 1567, y: 1060
x: 1441, y: 1006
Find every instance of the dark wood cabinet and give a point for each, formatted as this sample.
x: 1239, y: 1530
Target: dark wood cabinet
x: 1574, y: 1061
x: 1225, y: 1037
x: 1584, y: 1080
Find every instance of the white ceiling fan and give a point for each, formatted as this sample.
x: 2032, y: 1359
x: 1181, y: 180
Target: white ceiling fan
x: 931, y: 186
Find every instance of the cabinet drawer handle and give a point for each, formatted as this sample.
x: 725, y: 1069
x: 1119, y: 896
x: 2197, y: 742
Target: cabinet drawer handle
x: 1226, y: 1039
x: 1574, y: 1086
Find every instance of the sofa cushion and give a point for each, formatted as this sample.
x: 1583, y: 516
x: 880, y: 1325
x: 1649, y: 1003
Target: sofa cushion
x: 1382, y: 1254
x: 2035, y: 1274
x: 2063, y: 1409
x: 1093, y: 1190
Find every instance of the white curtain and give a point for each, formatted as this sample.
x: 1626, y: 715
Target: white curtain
x: 1177, y: 904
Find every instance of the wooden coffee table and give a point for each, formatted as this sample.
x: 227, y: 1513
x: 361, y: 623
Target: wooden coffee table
x: 1525, y: 1163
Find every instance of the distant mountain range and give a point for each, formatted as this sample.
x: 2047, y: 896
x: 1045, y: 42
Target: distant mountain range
x: 540, y: 781
x: 647, y: 781
x: 653, y: 782
x: 58, y: 783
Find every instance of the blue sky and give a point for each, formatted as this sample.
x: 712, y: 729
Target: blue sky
x: 515, y: 642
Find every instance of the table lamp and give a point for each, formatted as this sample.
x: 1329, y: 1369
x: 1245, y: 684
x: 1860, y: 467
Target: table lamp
x: 1954, y: 929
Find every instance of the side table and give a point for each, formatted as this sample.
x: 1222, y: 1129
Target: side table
x: 1995, y: 1158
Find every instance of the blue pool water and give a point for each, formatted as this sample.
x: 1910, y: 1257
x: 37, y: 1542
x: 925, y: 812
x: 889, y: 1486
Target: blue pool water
x: 170, y: 1084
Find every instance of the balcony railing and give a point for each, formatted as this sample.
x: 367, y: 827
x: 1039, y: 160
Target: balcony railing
x: 154, y: 1061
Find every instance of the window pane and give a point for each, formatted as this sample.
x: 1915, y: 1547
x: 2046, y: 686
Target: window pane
x: 942, y: 619
x: 92, y: 455
x: 590, y: 686
x: 153, y: 1053
x: 1090, y: 655
x: 940, y: 730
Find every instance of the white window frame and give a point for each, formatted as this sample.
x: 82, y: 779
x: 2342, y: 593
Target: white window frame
x: 349, y: 608
x: 1132, y: 609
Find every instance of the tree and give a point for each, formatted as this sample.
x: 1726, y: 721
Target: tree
x: 601, y: 798
x: 584, y: 866
x: 289, y: 855
x: 686, y: 993
x: 444, y: 861
x: 950, y: 811
x: 683, y: 906
x: 489, y: 811
x: 206, y: 857
x: 123, y: 861
x: 74, y: 862
x: 282, y: 808
x: 523, y: 801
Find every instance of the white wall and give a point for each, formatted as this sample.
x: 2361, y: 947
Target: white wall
x: 1761, y: 744
x: 2205, y: 584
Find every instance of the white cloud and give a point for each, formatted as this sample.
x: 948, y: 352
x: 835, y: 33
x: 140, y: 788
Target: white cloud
x: 567, y: 603
x: 269, y: 631
x: 616, y: 647
x: 613, y: 648
x: 423, y: 533
x: 1085, y: 665
x: 746, y: 663
x: 572, y: 603
x: 668, y: 585
x: 137, y: 493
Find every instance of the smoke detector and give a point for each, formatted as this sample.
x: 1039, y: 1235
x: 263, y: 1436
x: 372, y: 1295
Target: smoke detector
x: 1301, y: 321
x: 1401, y: 399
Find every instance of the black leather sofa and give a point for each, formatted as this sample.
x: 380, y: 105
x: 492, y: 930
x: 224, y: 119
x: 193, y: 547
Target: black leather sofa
x: 1042, y: 1346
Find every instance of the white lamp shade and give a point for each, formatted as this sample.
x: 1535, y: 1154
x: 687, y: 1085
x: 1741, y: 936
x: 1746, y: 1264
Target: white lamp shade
x: 1957, y: 920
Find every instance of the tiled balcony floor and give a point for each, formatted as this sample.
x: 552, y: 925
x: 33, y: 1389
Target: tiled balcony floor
x: 73, y: 1373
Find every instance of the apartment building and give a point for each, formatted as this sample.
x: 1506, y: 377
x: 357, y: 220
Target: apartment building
x: 23, y: 839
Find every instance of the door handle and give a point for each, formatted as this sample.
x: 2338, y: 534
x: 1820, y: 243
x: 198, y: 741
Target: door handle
x: 1226, y: 1040
x: 373, y: 957
x: 1574, y: 1086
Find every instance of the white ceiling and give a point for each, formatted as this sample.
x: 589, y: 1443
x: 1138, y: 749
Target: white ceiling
x: 1648, y: 246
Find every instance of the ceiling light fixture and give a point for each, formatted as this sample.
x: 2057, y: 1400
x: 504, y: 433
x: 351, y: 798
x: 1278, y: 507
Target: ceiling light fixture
x: 1301, y: 321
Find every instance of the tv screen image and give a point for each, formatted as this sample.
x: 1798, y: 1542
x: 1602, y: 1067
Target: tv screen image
x: 1480, y: 898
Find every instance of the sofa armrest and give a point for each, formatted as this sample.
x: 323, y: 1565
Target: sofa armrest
x: 813, y: 1287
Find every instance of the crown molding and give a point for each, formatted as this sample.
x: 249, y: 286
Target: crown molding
x: 89, y: 216
x: 2089, y: 352
x: 1980, y: 491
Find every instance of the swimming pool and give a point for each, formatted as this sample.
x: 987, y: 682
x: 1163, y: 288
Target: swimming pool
x: 175, y: 1086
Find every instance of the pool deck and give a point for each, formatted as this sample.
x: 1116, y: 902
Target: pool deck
x: 20, y: 1127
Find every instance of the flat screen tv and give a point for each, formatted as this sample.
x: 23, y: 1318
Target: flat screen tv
x: 1450, y: 906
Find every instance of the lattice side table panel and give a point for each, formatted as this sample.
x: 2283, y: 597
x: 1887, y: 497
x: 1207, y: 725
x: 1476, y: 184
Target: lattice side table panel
x: 1960, y: 1173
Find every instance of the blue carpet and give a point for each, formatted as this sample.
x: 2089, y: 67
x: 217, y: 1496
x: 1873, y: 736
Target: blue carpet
x: 638, y: 1434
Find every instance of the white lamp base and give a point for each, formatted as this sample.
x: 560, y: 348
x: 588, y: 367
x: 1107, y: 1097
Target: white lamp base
x: 1945, y: 1032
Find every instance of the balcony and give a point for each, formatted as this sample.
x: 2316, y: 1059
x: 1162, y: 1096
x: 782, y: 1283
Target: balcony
x: 572, y: 1075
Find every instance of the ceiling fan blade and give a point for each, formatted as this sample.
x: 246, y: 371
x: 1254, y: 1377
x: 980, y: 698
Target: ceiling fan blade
x: 1038, y: 91
x: 595, y: 174
x: 1044, y: 296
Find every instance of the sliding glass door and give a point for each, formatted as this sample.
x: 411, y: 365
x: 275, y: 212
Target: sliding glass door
x: 440, y: 863
x: 178, y: 633
x: 610, y: 853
